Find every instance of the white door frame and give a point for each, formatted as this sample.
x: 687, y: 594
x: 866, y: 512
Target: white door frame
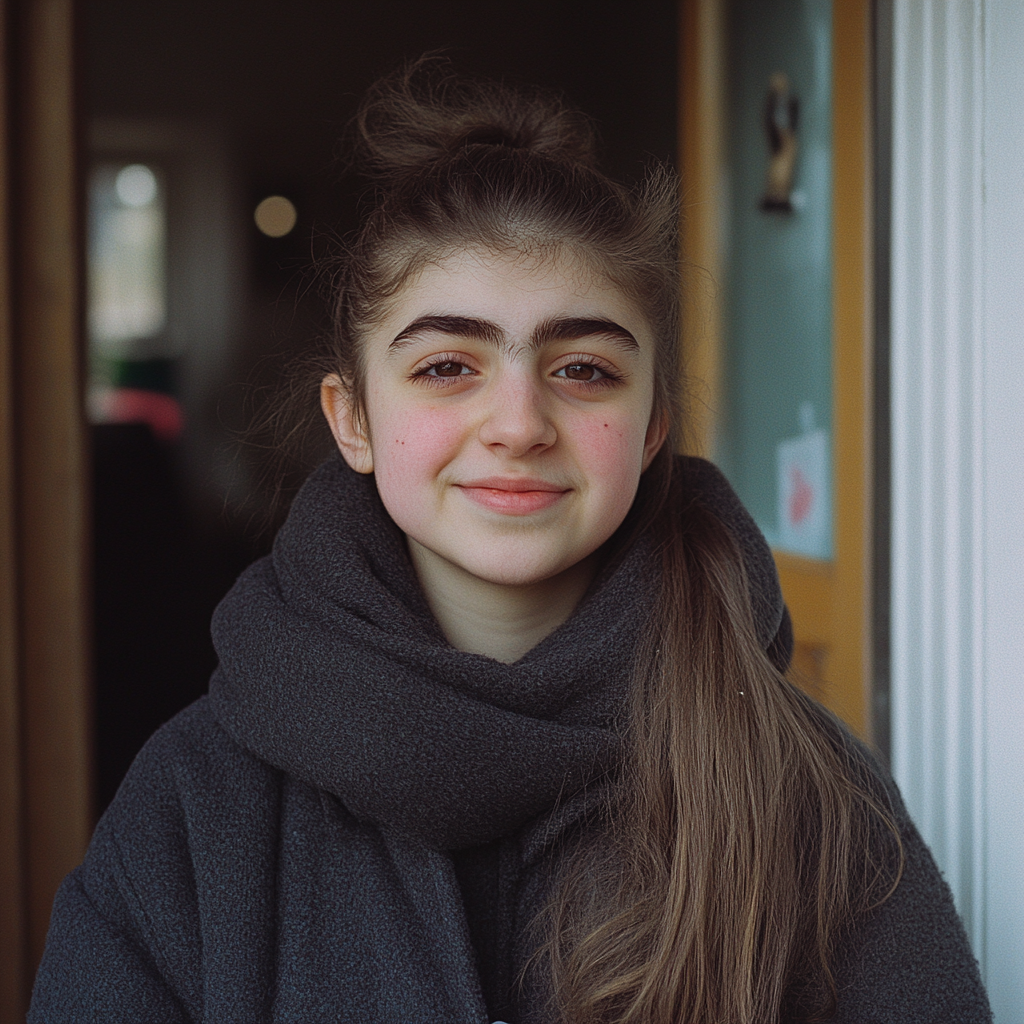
x: 957, y: 342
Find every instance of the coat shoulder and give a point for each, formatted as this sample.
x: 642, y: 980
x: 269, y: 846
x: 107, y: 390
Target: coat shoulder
x: 195, y: 816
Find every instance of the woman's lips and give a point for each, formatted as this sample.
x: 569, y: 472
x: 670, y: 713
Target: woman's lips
x: 513, y: 497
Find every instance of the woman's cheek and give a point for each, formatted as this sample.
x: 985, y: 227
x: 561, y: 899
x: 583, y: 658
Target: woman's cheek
x: 409, y: 451
x: 611, y: 448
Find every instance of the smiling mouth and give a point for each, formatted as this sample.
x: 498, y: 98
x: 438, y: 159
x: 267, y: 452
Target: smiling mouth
x: 513, y: 497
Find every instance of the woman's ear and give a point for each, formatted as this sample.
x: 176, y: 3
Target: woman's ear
x: 657, y: 431
x: 347, y: 426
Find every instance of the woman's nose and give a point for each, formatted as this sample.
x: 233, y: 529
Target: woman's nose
x: 516, y: 418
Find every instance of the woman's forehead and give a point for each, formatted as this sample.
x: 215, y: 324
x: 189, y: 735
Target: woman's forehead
x: 514, y: 283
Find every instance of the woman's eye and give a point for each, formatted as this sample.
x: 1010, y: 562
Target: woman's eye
x: 586, y: 372
x: 447, y: 369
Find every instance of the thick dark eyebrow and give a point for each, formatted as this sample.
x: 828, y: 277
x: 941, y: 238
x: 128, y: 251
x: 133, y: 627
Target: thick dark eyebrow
x: 457, y: 326
x: 556, y: 329
x: 573, y: 328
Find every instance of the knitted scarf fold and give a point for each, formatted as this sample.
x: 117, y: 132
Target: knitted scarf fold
x: 333, y: 669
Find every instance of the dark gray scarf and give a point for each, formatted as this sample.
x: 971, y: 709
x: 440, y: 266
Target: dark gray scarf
x: 333, y: 670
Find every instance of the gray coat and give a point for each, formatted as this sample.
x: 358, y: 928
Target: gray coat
x: 358, y: 822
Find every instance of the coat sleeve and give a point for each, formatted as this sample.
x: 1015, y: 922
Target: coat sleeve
x: 126, y: 941
x: 909, y: 961
x: 94, y: 968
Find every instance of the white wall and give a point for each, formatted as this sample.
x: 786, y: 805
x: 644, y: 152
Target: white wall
x: 1004, y: 506
x: 958, y: 459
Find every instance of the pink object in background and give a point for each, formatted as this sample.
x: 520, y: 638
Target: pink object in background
x: 135, y: 405
x: 801, y: 496
x: 805, y: 495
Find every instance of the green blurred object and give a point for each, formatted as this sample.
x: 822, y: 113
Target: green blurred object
x: 157, y: 374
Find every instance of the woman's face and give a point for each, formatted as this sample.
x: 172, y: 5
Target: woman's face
x: 508, y: 413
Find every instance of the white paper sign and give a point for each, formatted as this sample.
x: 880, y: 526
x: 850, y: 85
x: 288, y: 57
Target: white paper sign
x: 805, y: 498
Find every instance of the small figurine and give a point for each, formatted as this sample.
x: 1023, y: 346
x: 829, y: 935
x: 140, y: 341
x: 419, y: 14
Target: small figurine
x: 780, y: 118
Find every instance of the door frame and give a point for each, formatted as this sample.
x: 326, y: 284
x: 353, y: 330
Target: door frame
x: 45, y: 694
x: 830, y: 601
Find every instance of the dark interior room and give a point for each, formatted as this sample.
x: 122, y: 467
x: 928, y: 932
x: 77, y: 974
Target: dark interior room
x: 214, y: 107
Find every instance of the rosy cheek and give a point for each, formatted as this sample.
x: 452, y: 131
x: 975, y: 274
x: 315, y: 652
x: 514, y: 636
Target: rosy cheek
x: 422, y: 436
x: 409, y: 450
x: 611, y: 447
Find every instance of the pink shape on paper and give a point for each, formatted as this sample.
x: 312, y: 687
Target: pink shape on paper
x: 801, y: 497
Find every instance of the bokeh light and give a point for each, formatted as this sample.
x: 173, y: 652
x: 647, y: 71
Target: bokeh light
x: 136, y: 185
x: 276, y: 216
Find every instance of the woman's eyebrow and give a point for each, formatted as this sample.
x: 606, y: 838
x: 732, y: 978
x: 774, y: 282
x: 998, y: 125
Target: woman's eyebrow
x: 457, y: 326
x: 555, y: 329
x: 573, y: 328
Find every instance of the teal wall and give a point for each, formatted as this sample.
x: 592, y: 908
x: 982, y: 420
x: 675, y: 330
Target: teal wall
x: 778, y: 280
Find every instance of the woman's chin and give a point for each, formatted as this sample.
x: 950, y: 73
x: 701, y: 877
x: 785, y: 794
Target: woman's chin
x: 498, y: 562
x: 519, y: 570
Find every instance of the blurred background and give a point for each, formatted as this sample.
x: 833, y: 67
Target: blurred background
x: 217, y: 186
x: 174, y: 178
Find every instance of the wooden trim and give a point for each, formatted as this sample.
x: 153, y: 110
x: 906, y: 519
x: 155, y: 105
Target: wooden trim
x: 12, y: 881
x: 807, y: 584
x: 46, y: 699
x: 701, y: 141
x: 53, y: 508
x: 852, y: 258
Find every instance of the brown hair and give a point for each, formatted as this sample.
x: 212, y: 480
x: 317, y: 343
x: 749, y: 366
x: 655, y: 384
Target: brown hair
x: 746, y: 831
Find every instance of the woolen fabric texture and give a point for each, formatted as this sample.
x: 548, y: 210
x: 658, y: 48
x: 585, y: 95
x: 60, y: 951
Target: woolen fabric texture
x: 360, y: 823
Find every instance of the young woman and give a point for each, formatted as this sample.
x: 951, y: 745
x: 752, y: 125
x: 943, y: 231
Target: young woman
x: 500, y: 729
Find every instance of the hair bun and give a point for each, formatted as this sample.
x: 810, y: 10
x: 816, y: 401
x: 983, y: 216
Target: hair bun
x: 426, y: 113
x: 490, y: 135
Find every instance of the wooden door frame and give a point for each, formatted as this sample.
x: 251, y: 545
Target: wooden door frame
x: 830, y: 601
x: 45, y: 694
